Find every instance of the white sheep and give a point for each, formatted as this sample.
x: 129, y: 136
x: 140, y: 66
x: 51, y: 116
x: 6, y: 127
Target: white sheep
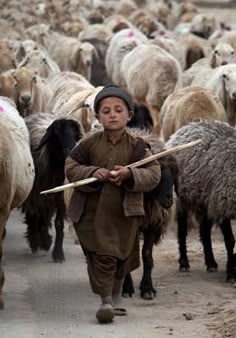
x: 17, y: 168
x: 72, y: 55
x: 150, y: 75
x: 222, y: 82
x: 121, y: 44
x: 40, y: 62
x: 222, y: 54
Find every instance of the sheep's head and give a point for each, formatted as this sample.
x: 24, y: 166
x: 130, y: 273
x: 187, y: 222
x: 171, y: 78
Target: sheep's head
x: 203, y: 25
x: 61, y: 136
x: 26, y: 80
x: 222, y: 54
x: 82, y: 59
x: 229, y: 81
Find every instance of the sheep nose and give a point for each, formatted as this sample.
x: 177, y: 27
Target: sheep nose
x: 223, y: 63
x: 88, y: 63
x: 26, y: 99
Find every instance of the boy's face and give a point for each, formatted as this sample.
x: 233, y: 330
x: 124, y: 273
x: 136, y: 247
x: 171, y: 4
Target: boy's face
x: 113, y: 113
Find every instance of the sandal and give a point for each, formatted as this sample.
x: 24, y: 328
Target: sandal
x: 119, y: 311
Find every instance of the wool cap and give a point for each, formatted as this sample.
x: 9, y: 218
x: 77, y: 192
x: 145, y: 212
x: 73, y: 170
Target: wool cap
x: 112, y: 90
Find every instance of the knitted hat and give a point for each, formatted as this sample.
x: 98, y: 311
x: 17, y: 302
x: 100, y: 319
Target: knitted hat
x: 112, y: 90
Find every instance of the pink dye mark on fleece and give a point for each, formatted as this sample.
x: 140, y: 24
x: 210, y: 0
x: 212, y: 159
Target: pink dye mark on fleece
x: 130, y: 34
x: 234, y: 60
x: 1, y: 109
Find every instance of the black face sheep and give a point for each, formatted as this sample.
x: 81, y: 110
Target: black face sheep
x: 49, y: 157
x: 158, y: 214
x: 207, y: 187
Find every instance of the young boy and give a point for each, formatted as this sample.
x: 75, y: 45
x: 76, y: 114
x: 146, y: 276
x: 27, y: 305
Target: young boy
x: 107, y: 213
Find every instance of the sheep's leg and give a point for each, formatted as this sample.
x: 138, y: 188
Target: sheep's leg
x: 4, y: 214
x: 128, y: 287
x: 182, y: 232
x: 32, y: 232
x: 205, y: 236
x: 147, y: 290
x: 58, y: 253
x: 155, y: 120
x: 44, y: 225
x: 229, y: 244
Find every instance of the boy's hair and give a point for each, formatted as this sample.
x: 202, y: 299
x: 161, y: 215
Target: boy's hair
x: 112, y: 90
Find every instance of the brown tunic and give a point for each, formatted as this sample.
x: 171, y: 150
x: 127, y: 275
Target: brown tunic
x: 103, y: 226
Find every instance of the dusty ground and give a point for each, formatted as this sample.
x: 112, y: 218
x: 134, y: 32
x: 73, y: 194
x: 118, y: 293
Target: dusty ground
x: 43, y: 299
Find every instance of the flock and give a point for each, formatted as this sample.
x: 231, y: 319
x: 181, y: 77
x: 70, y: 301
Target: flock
x: 179, y: 66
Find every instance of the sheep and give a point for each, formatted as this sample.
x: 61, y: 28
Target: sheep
x: 80, y: 107
x: 194, y: 47
x: 17, y: 173
x: 38, y: 61
x: 72, y: 55
x: 203, y: 25
x: 99, y: 75
x: 8, y: 86
x: 221, y: 81
x: 159, y: 210
x: 51, y: 141
x: 33, y: 93
x: 206, y: 187
x: 188, y: 105
x: 121, y: 44
x: 221, y: 55
x: 145, y: 85
x: 65, y: 85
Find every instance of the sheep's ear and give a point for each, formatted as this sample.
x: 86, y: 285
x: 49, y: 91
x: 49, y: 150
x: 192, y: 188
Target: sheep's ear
x: 213, y: 61
x: 20, y: 54
x: 46, y: 137
x: 35, y: 77
x: 76, y: 57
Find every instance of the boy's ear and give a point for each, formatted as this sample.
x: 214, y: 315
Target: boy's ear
x: 131, y: 114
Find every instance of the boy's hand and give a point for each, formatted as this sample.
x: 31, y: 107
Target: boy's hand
x: 119, y: 174
x: 102, y: 174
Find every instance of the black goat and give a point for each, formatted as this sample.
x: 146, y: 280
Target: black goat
x: 157, y: 204
x: 49, y: 160
x: 141, y: 118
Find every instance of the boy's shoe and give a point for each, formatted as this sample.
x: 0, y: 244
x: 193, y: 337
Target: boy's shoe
x: 105, y: 314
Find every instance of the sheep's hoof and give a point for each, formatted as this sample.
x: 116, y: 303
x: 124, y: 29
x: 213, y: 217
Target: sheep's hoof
x: 128, y: 288
x: 184, y: 268
x: 45, y: 242
x: 212, y: 269
x: 58, y: 256
x: 184, y: 265
x: 148, y: 295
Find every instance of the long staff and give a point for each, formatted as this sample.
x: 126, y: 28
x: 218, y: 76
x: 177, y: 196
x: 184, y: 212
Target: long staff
x: 132, y: 165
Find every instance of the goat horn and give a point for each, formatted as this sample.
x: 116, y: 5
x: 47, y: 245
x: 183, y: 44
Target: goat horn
x: 132, y: 165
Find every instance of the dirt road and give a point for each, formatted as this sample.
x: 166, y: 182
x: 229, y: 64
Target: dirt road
x: 43, y: 299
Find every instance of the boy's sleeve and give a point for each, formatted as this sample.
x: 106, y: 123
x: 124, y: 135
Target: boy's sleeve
x: 77, y: 168
x: 144, y: 178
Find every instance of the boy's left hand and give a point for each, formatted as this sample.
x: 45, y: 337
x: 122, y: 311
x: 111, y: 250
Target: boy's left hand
x: 119, y: 174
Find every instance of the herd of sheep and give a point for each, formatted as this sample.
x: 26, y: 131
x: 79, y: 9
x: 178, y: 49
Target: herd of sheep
x: 179, y: 66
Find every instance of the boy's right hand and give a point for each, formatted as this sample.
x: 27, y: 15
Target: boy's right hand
x: 102, y: 174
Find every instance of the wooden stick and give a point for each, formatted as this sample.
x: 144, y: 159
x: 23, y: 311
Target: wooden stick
x: 132, y: 165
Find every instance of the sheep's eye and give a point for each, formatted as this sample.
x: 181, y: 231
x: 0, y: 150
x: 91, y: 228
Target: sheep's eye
x: 216, y: 51
x: 225, y: 77
x: 232, y: 53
